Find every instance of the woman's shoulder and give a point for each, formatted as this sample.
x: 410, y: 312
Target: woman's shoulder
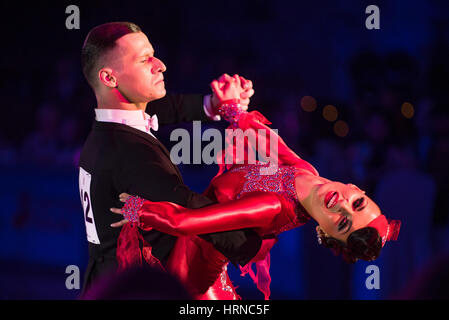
x: 227, y: 186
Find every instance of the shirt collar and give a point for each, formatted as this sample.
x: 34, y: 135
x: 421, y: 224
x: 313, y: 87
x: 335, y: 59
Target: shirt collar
x: 137, y: 119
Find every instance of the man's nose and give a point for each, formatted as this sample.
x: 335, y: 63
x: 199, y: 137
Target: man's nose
x: 158, y: 66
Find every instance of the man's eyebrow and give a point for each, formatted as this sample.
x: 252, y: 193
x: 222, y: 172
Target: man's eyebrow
x: 147, y: 54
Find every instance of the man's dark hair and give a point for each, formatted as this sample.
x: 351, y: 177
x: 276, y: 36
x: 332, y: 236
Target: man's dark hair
x: 364, y: 243
x: 99, y: 41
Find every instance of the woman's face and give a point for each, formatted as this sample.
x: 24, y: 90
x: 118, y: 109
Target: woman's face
x: 341, y: 209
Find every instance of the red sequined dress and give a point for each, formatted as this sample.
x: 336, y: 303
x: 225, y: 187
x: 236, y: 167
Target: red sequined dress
x: 257, y: 195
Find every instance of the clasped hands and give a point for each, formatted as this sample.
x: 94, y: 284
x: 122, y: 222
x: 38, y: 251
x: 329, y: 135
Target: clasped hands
x: 228, y: 88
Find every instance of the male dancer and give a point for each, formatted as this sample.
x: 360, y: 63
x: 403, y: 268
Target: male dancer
x: 121, y: 153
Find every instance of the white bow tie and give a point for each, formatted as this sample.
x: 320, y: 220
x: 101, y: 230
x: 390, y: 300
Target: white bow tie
x: 152, y: 122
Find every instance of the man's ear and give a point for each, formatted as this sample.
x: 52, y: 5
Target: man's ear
x: 106, y: 78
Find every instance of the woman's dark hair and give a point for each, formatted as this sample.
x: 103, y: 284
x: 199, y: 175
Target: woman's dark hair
x: 99, y: 41
x: 364, y: 243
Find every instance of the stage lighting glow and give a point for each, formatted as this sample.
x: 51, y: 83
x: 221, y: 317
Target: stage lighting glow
x: 341, y: 128
x: 407, y: 110
x: 330, y: 113
x: 308, y: 103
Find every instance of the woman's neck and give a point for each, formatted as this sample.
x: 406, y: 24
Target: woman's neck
x: 305, y: 184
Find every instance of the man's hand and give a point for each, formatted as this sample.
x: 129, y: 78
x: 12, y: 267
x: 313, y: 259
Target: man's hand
x: 236, y: 87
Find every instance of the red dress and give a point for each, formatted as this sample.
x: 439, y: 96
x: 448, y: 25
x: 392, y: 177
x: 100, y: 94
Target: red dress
x: 246, y: 197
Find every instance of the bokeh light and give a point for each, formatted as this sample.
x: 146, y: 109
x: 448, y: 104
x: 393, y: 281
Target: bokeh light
x: 407, y: 110
x: 330, y: 113
x: 341, y: 128
x: 308, y: 103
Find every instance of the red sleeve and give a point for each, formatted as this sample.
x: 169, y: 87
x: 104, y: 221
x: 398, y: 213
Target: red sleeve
x: 254, y: 210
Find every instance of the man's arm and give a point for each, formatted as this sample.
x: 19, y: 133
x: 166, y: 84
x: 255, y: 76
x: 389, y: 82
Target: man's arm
x: 179, y: 108
x: 189, y: 107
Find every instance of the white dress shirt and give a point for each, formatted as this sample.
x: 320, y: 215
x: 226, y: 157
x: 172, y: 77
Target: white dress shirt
x: 136, y: 119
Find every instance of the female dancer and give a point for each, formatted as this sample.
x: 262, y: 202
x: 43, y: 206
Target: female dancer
x: 349, y: 222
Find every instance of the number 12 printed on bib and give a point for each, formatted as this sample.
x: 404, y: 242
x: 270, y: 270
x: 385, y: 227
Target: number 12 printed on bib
x: 84, y: 184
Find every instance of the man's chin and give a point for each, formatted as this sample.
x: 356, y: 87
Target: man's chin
x: 158, y: 95
x: 162, y: 92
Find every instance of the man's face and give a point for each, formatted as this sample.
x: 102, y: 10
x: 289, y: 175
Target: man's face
x: 139, y: 73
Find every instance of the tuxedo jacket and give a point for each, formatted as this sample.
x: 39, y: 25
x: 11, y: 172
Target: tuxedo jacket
x: 117, y: 158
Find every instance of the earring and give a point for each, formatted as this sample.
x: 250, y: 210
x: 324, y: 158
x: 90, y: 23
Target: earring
x: 319, y: 235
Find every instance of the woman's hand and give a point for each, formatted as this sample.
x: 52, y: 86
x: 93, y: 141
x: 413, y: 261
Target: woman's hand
x: 227, y: 88
x: 248, y: 92
x: 123, y: 197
